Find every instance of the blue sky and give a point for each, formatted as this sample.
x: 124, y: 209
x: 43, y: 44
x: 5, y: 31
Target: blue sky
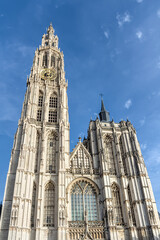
x: 110, y: 47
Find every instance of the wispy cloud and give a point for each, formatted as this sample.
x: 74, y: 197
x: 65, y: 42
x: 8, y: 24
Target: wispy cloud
x: 21, y: 48
x: 139, y: 34
x: 114, y: 53
x: 142, y: 121
x: 106, y: 34
x: 143, y: 146
x: 158, y: 63
x: 125, y: 18
x: 128, y: 104
x: 139, y: 1
x: 153, y: 156
x: 158, y: 13
x: 8, y: 111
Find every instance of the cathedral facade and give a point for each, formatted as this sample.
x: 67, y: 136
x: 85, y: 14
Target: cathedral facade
x: 100, y: 191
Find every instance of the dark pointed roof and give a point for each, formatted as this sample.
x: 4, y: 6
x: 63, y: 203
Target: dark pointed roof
x: 104, y: 115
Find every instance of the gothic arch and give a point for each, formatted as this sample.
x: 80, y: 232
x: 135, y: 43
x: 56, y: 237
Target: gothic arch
x: 52, y: 133
x: 49, y: 182
x: 33, y: 204
x: 107, y: 138
x: 115, y: 183
x: 83, y: 200
x: 117, y: 204
x: 40, y: 91
x: 109, y: 152
x: 49, y: 205
x: 54, y: 93
x: 94, y: 185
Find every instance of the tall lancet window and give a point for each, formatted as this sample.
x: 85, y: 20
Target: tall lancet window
x: 49, y: 205
x: 52, y: 116
x: 109, y: 155
x: 131, y: 206
x: 45, y: 60
x: 37, y: 151
x: 118, y: 218
x: 33, y: 206
x: 51, y: 154
x: 39, y: 109
x: 123, y: 156
x: 52, y: 61
x: 83, y: 201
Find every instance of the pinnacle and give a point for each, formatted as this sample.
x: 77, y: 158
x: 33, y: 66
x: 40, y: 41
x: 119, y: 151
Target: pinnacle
x: 50, y: 28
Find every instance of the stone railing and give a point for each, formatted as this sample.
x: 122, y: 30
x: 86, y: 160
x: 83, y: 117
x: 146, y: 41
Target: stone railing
x: 77, y: 229
x: 82, y: 171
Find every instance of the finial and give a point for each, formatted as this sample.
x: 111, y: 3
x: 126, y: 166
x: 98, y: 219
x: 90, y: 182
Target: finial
x: 79, y: 139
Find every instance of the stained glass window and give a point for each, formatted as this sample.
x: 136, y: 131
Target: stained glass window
x: 83, y: 199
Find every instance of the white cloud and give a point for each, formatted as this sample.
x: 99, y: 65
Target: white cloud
x: 158, y: 13
x: 106, y: 34
x: 139, y: 1
x: 142, y: 121
x: 139, y: 34
x: 158, y: 63
x: 128, y: 104
x: 125, y: 18
x: 153, y: 156
x: 143, y: 146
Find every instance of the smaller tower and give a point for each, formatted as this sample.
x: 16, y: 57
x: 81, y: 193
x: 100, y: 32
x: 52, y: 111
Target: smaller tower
x: 104, y: 115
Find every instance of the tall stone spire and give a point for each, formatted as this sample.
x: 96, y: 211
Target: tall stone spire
x: 104, y: 115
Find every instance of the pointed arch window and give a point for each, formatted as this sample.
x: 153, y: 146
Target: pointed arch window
x: 37, y: 152
x: 109, y: 155
x: 39, y: 109
x: 49, y: 205
x: 118, y: 218
x: 52, y: 116
x: 83, y: 199
x: 131, y: 206
x: 33, y: 205
x: 45, y: 59
x: 123, y: 156
x: 53, y: 102
x: 51, y: 154
x: 52, y: 61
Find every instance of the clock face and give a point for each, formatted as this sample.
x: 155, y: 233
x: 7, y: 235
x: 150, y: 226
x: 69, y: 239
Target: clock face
x: 48, y: 74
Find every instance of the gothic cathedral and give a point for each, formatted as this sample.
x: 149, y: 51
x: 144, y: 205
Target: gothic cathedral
x: 100, y: 191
